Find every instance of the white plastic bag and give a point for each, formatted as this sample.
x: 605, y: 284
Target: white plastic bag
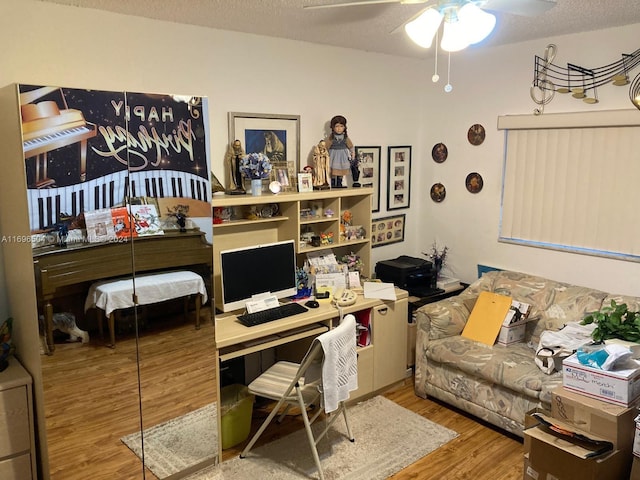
x: 554, y: 346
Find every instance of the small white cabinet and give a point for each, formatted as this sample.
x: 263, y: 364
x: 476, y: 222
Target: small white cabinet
x: 17, y: 442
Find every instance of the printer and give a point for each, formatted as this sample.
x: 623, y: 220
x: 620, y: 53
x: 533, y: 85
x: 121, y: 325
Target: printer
x: 415, y: 275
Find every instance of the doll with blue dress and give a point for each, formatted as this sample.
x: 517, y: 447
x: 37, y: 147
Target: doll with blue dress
x: 341, y: 151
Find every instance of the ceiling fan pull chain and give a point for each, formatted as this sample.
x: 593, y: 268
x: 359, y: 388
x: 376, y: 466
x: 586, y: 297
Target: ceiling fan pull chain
x: 448, y: 87
x: 436, y: 77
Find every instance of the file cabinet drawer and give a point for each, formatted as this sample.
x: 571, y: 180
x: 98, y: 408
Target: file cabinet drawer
x: 14, y: 422
x: 17, y: 468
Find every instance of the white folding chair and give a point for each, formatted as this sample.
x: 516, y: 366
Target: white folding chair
x: 328, y: 372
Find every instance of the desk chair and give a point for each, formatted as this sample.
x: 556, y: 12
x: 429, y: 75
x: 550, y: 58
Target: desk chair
x: 328, y: 372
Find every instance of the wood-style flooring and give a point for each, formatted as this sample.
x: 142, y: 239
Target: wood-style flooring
x: 92, y: 400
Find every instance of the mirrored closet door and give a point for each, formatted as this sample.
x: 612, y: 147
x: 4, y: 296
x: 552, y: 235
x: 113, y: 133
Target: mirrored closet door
x: 119, y: 202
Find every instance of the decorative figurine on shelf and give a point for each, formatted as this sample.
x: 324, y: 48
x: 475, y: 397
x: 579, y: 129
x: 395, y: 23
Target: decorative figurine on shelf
x: 181, y: 220
x: 341, y: 150
x: 233, y: 158
x: 322, y: 166
x: 355, y: 169
x: 63, y: 233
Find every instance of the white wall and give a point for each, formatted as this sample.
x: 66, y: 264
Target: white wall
x: 387, y: 101
x: 489, y: 83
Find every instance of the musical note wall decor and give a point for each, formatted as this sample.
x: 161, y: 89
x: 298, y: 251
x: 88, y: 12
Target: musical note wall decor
x: 581, y: 82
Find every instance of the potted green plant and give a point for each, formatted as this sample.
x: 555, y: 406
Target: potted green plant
x: 614, y: 321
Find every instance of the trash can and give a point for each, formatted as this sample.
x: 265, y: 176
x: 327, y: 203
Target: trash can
x: 236, y: 408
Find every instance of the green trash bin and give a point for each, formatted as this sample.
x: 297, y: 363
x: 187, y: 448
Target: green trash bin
x: 236, y: 408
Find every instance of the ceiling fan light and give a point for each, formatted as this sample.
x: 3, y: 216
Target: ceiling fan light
x: 423, y: 28
x: 477, y: 23
x: 454, y: 37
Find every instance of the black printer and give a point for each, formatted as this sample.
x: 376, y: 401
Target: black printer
x: 415, y: 275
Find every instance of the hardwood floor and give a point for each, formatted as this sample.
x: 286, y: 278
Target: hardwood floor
x: 91, y: 395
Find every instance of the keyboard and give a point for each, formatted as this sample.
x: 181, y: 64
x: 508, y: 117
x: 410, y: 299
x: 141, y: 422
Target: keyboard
x: 271, y: 314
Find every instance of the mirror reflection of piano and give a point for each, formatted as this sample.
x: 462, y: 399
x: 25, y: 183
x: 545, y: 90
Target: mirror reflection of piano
x: 48, y: 205
x: 49, y: 125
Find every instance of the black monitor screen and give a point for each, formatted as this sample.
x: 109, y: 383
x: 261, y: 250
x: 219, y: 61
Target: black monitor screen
x: 257, y: 269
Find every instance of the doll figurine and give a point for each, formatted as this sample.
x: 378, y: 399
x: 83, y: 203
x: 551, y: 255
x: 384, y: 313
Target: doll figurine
x: 341, y: 150
x: 234, y: 154
x: 321, y: 165
x: 355, y: 169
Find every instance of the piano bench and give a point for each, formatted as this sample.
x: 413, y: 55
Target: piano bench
x: 112, y: 295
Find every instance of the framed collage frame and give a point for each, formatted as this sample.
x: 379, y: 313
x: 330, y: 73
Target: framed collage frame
x: 275, y: 135
x: 387, y: 230
x: 369, y: 168
x: 399, y: 177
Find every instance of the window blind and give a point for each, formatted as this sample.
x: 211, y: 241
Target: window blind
x: 572, y: 182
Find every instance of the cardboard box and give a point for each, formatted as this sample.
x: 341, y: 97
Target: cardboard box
x: 531, y: 421
x: 607, y: 420
x: 635, y: 469
x: 511, y: 334
x: 621, y: 387
x: 552, y: 458
x: 636, y: 437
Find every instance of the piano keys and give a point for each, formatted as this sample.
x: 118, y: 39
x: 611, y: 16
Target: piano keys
x: 48, y: 205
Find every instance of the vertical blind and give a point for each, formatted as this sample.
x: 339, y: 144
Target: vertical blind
x: 572, y: 182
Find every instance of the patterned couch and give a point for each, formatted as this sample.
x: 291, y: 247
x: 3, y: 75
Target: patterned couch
x: 497, y: 384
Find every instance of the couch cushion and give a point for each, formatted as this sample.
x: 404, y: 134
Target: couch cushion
x: 512, y: 367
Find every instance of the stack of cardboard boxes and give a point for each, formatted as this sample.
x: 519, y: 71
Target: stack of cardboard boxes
x: 594, y: 410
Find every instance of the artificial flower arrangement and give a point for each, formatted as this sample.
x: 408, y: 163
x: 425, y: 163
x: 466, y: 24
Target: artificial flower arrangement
x: 255, y: 166
x: 353, y: 262
x: 437, y: 256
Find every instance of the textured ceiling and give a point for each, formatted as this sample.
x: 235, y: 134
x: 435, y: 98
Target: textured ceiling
x: 364, y: 27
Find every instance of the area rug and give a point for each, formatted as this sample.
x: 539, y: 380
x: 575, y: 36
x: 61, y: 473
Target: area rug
x: 388, y: 438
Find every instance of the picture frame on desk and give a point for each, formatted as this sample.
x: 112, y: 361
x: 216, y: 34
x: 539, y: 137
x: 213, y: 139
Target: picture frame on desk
x: 275, y: 135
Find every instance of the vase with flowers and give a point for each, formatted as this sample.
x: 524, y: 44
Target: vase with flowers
x: 438, y: 256
x: 255, y: 167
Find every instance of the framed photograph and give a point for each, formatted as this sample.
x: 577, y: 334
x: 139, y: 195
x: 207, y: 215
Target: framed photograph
x: 305, y: 182
x: 399, y: 178
x: 369, y: 169
x: 388, y: 230
x: 277, y: 136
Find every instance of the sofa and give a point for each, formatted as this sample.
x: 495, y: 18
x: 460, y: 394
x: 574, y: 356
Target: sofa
x: 498, y: 384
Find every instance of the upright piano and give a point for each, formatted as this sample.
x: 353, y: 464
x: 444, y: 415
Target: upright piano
x: 61, y: 270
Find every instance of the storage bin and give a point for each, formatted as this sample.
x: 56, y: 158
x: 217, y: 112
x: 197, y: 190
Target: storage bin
x: 236, y: 408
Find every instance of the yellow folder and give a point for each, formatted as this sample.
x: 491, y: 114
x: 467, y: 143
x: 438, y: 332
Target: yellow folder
x: 486, y: 317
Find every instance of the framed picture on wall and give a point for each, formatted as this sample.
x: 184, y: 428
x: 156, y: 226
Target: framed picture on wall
x: 369, y: 172
x: 387, y: 230
x: 275, y: 135
x: 399, y: 178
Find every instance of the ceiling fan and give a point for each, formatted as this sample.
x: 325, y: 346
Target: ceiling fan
x: 465, y: 21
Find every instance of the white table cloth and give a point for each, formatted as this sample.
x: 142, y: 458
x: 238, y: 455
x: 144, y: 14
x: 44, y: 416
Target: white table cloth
x: 111, y: 295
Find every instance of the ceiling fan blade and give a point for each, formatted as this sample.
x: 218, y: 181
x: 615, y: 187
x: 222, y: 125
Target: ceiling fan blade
x: 363, y: 2
x: 528, y: 8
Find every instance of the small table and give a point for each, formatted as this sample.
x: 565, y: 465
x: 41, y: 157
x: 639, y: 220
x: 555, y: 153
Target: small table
x: 112, y: 295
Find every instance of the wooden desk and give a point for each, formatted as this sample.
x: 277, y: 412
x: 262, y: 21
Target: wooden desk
x: 380, y: 364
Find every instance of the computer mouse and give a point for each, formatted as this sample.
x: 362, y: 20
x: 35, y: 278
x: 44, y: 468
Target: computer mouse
x: 312, y: 304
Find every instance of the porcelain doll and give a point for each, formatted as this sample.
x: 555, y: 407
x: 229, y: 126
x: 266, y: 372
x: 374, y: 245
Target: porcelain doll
x: 341, y: 150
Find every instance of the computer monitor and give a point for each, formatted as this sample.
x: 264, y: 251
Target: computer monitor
x: 257, y: 269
